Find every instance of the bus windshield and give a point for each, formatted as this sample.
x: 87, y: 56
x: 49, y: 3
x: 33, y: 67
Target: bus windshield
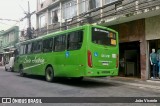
x: 103, y: 37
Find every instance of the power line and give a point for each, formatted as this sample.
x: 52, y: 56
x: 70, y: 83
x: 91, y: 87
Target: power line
x: 9, y: 19
x: 3, y: 23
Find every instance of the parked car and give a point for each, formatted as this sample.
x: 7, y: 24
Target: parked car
x: 9, y: 65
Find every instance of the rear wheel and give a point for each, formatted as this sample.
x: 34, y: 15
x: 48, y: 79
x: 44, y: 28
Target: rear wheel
x: 78, y: 79
x: 49, y: 74
x: 22, y: 74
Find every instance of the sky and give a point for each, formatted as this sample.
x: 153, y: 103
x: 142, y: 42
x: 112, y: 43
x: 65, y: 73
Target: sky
x: 15, y: 9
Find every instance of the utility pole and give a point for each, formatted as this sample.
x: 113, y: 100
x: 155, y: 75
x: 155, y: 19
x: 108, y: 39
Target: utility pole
x: 28, y: 16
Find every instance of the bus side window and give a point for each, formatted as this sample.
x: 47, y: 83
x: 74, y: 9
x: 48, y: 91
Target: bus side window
x: 60, y: 43
x: 22, y: 49
x: 47, y: 45
x: 29, y: 48
x: 37, y: 46
x: 75, y: 40
x: 26, y: 49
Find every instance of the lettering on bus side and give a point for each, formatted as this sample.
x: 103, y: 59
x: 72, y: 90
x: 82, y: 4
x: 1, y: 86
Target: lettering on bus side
x: 105, y: 56
x: 35, y: 60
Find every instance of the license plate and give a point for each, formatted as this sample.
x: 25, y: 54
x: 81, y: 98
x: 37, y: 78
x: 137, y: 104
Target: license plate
x: 105, y: 72
x: 105, y: 63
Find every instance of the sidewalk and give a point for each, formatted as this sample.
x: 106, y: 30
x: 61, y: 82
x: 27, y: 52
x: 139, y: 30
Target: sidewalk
x: 135, y: 80
x: 151, y: 84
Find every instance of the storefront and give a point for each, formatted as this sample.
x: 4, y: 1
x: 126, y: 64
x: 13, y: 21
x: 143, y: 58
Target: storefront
x: 152, y: 31
x: 132, y: 49
x: 130, y: 59
x: 8, y: 52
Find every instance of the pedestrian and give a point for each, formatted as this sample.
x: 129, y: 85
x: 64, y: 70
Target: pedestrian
x: 158, y: 58
x: 153, y: 60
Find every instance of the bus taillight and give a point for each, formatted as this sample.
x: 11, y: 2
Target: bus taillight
x: 89, y: 58
x: 117, y: 61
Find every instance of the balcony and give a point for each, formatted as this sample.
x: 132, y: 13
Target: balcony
x: 54, y: 27
x: 130, y: 10
x: 117, y: 12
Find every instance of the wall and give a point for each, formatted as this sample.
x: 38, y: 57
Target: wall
x: 152, y: 25
x: 10, y: 37
x: 152, y: 32
x: 43, y: 5
x: 134, y: 31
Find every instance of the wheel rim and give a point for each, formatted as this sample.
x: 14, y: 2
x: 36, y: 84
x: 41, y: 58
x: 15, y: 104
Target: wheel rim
x: 49, y: 75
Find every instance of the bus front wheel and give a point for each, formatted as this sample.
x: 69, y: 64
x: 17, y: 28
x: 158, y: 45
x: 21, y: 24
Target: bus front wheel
x: 49, y: 74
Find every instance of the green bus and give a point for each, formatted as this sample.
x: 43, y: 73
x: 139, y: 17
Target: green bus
x: 83, y: 51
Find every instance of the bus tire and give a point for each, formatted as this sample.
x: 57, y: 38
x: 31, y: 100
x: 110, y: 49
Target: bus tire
x: 78, y: 79
x: 22, y: 74
x: 49, y: 74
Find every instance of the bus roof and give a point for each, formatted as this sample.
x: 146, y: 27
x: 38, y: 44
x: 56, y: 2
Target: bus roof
x: 62, y: 32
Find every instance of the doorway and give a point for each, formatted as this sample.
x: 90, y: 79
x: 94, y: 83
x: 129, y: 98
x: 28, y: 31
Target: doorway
x: 153, y: 44
x: 129, y: 59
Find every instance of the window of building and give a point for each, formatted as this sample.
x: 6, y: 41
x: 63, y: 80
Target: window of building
x: 69, y: 9
x: 42, y: 21
x: 86, y: 5
x: 109, y: 1
x: 60, y: 43
x: 41, y: 1
x: 54, y: 0
x: 47, y: 45
x: 11, y: 36
x: 83, y: 6
x: 7, y: 38
x: 37, y: 47
x: 93, y: 4
x: 75, y: 40
x: 0, y: 43
x: 55, y: 15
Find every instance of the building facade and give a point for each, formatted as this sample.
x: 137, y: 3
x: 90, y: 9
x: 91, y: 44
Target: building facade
x: 8, y: 40
x: 137, y: 22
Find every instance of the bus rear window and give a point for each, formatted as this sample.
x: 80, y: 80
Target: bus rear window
x: 103, y: 37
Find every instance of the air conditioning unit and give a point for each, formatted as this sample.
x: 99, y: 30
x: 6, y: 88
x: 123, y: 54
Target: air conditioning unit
x: 63, y: 20
x: 69, y: 20
x: 102, y: 21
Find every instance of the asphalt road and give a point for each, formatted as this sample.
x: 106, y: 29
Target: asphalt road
x: 12, y: 85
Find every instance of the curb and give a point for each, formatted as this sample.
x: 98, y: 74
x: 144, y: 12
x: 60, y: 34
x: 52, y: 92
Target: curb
x: 140, y: 85
x: 136, y: 84
x: 151, y: 81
